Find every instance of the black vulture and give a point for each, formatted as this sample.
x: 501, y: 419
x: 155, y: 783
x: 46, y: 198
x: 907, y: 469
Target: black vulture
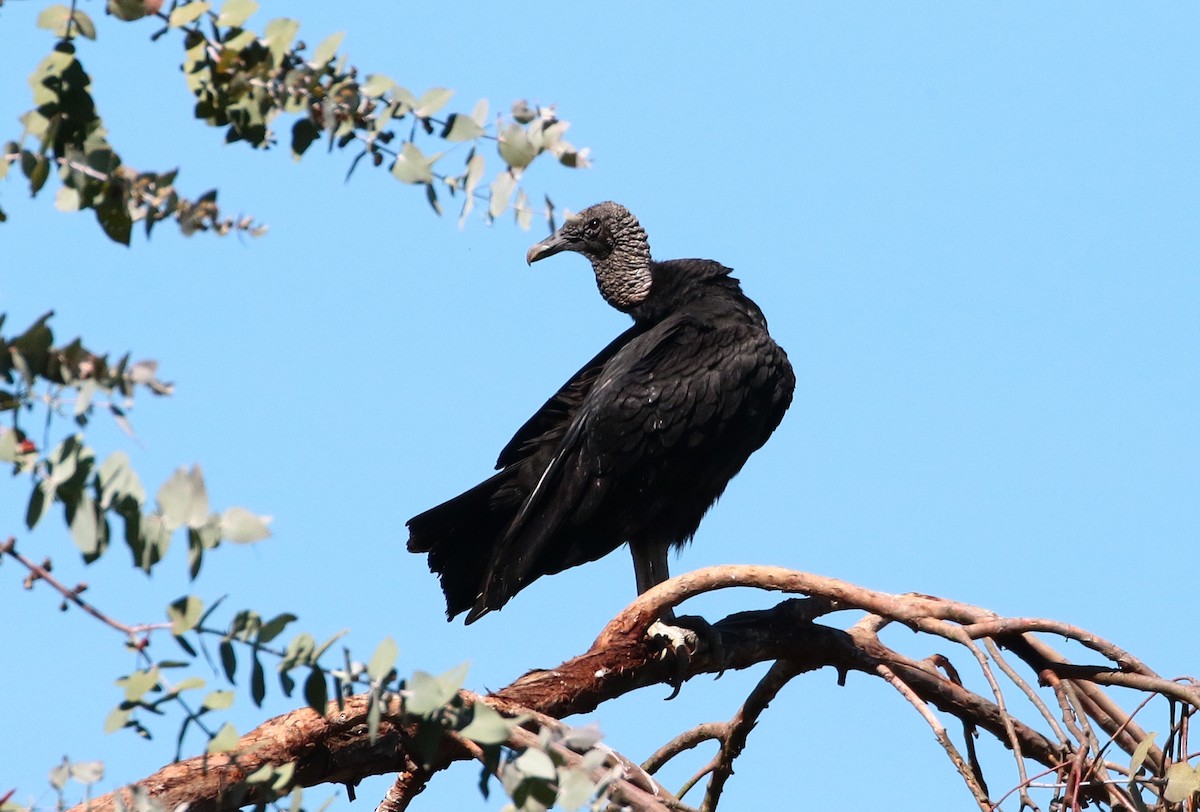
x: 636, y: 446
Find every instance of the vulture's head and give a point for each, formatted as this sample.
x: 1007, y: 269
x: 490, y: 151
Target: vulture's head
x: 615, y: 243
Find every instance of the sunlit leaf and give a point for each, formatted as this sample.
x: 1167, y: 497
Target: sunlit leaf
x: 383, y: 660
x: 515, y: 147
x: 183, y: 499
x: 187, y: 14
x: 434, y: 99
x: 575, y: 788
x: 60, y: 774
x: 427, y: 693
x: 1140, y: 752
x: 55, y: 18
x: 279, y: 34
x: 376, y: 84
x: 116, y: 720
x: 136, y: 685
x: 487, y: 726
x: 327, y: 50
x: 242, y: 527
x: 535, y: 764
x: 502, y: 189
x: 1182, y: 782
x: 218, y: 700
x: 225, y: 740
x: 411, y: 166
x: 184, y: 614
x: 461, y: 128
x: 84, y: 25
x: 84, y: 528
x: 235, y: 12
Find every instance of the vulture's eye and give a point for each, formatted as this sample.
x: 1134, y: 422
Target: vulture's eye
x: 593, y: 226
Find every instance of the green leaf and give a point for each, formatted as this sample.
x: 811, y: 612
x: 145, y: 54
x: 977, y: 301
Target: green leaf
x: 316, y: 690
x: 1182, y: 782
x: 533, y: 763
x: 461, y: 128
x: 283, y: 776
x: 235, y: 12
x: 242, y: 527
x: 225, y: 740
x: 55, y: 18
x: 1139, y: 754
x: 523, y: 213
x: 271, y: 629
x: 127, y: 10
x: 377, y: 85
x: 117, y: 719
x: 138, y: 683
x: 434, y: 99
x: 279, y: 34
x: 8, y: 441
x: 228, y: 659
x: 515, y: 147
x: 487, y: 726
x: 114, y: 218
x: 219, y: 699
x: 575, y: 788
x: 383, y: 660
x: 427, y: 693
x: 187, y: 14
x: 258, y: 681
x: 411, y: 166
x: 87, y: 772
x: 502, y: 189
x: 304, y: 133
x: 188, y: 684
x: 183, y: 499
x: 60, y: 774
x: 84, y: 25
x: 84, y: 528
x: 184, y: 614
x: 327, y: 50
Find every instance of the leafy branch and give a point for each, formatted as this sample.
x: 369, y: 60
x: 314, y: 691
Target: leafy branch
x: 243, y: 81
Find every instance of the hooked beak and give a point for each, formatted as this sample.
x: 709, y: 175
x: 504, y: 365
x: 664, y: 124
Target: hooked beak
x: 546, y: 248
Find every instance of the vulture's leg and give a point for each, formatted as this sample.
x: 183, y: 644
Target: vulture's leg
x: 680, y: 636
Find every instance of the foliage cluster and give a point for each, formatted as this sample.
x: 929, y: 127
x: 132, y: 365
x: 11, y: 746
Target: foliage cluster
x: 243, y: 81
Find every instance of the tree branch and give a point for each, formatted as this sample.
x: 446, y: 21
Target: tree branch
x: 335, y: 748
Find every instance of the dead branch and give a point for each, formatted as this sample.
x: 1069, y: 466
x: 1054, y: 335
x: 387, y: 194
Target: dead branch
x: 334, y: 747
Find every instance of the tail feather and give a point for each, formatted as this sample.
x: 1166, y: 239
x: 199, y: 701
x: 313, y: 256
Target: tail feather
x: 459, y: 535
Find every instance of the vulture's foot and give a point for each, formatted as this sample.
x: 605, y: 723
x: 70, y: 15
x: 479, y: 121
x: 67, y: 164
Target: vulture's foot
x: 680, y: 640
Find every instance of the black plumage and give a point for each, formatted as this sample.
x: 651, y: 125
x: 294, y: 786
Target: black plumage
x: 636, y: 446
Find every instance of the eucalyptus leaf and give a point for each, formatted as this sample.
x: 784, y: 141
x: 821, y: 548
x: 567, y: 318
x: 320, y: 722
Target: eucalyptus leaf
x: 242, y: 527
x: 187, y: 14
x: 218, y: 700
x: 487, y: 726
x: 434, y: 99
x: 184, y: 614
x: 534, y: 763
x: 1183, y: 781
x: 225, y: 740
x: 427, y: 693
x: 137, y: 684
x: 327, y: 50
x: 1140, y: 752
x: 383, y: 660
x: 235, y: 12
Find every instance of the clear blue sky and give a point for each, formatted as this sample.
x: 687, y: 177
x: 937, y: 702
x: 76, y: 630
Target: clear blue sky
x: 973, y: 227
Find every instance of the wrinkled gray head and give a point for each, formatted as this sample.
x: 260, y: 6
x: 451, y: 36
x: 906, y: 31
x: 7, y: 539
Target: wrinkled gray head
x: 614, y: 241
